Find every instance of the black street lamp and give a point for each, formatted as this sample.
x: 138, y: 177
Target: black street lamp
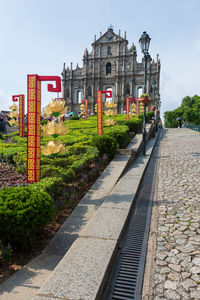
x: 144, y: 42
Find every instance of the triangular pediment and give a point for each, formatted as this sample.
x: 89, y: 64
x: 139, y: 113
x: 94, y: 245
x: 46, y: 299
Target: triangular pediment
x: 109, y: 36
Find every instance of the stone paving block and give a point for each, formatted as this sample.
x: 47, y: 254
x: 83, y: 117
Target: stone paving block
x: 23, y: 284
x: 93, y: 197
x: 81, y: 271
x: 114, y: 171
x: 127, y: 184
x: 84, y: 212
x: 107, y: 223
x: 121, y: 200
x: 66, y: 236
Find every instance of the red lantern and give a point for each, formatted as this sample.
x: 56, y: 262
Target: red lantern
x: 153, y: 108
x: 145, y: 100
x: 157, y: 112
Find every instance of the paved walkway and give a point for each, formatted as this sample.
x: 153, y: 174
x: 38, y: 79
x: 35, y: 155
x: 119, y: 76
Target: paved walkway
x: 173, y: 261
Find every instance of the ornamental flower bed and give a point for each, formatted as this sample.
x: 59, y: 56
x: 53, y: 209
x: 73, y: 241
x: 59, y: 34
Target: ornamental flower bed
x: 64, y: 177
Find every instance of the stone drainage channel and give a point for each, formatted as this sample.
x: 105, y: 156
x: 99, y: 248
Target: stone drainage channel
x: 127, y: 275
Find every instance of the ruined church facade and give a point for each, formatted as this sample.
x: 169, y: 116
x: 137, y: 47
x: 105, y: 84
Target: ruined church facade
x: 111, y: 65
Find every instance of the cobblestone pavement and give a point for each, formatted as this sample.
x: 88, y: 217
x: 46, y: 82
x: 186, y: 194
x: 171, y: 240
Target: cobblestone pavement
x: 176, y: 266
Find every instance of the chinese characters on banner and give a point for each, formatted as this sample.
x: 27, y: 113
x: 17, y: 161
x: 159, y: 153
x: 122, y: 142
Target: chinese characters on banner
x: 137, y: 103
x: 127, y: 109
x: 108, y: 94
x: 99, y: 113
x: 21, y: 116
x: 33, y: 122
x: 21, y: 98
x: 33, y: 128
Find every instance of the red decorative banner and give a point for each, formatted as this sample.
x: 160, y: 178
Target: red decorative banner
x: 33, y: 128
x: 137, y: 103
x: 127, y: 109
x: 86, y: 107
x: 15, y: 98
x: 33, y: 124
x: 100, y: 110
x: 21, y: 115
x: 127, y: 106
x: 99, y: 113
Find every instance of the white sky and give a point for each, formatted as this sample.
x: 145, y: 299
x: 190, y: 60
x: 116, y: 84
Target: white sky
x: 37, y: 36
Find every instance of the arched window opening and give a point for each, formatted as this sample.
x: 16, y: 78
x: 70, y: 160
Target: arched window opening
x: 89, y: 92
x: 127, y: 90
x: 109, y: 51
x: 78, y: 96
x: 108, y: 68
x: 140, y: 91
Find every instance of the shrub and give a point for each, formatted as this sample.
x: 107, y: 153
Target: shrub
x: 20, y: 161
x: 121, y: 138
x: 74, y: 118
x: 24, y: 211
x: 52, y: 171
x: 149, y: 115
x: 1, y: 136
x: 52, y: 185
x: 105, y: 144
x: 7, y: 154
x: 134, y: 124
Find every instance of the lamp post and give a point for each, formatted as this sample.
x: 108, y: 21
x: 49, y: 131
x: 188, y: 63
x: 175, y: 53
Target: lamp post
x: 144, y: 42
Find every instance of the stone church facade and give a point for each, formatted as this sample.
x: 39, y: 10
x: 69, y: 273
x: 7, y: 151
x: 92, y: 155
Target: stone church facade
x: 111, y: 65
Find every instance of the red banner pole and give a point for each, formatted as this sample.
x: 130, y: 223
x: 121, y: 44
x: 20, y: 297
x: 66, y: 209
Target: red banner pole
x: 21, y: 115
x: 99, y: 113
x: 86, y: 108
x: 33, y: 122
x: 33, y: 128
x: 137, y: 107
x: 127, y: 109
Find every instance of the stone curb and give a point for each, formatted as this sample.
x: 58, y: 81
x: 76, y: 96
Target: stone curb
x: 82, y: 272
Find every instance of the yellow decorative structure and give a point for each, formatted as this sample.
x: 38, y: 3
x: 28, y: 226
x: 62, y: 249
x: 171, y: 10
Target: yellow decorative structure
x: 110, y: 104
x: 82, y: 109
x: 134, y: 109
x: 110, y: 122
x: 54, y: 128
x: 56, y: 108
x: 141, y: 108
x: 110, y: 112
x: 13, y: 122
x: 13, y: 107
x: 13, y: 115
x: 53, y: 147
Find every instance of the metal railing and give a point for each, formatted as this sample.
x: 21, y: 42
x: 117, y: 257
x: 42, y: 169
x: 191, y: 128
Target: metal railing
x: 193, y: 127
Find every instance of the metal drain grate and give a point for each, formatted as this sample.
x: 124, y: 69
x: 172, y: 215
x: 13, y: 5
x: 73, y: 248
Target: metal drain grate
x: 128, y: 276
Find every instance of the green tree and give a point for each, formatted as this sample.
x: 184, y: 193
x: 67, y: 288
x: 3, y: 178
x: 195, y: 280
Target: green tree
x: 189, y: 111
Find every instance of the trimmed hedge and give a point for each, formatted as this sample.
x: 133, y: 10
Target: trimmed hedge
x: 105, y: 144
x: 52, y: 185
x: 134, y: 125
x: 24, y: 211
